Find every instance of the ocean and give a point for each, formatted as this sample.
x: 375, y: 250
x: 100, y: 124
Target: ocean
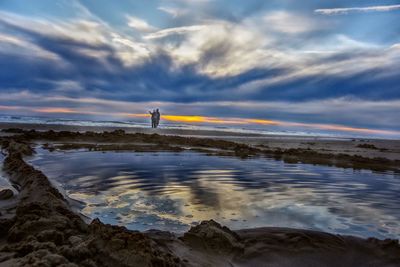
x: 142, y: 123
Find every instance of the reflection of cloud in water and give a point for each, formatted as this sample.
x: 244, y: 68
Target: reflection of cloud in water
x: 170, y: 191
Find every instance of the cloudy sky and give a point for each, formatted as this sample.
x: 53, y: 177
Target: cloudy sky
x: 328, y: 65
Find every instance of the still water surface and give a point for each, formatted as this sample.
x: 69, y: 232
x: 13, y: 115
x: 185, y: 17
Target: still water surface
x: 171, y: 191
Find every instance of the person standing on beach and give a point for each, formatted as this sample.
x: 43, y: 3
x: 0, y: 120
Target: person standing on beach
x: 158, y: 117
x: 153, y: 119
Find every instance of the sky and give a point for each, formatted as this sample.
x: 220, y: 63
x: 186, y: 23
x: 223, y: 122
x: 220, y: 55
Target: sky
x: 325, y: 65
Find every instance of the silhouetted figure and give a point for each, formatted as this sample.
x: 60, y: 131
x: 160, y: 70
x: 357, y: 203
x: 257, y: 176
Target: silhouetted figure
x: 153, y: 119
x: 158, y: 116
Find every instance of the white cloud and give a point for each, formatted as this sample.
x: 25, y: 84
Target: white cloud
x: 173, y: 11
x: 339, y: 43
x: 395, y: 46
x: 363, y: 58
x: 217, y: 48
x: 10, y: 44
x: 93, y: 33
x: 79, y: 30
x: 339, y: 11
x: 140, y: 24
x: 131, y: 52
x: 290, y: 23
x: 173, y: 31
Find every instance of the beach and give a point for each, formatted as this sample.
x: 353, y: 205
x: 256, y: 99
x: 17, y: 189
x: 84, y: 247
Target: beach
x: 41, y: 227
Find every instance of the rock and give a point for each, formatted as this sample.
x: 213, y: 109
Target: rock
x: 54, y: 236
x: 6, y: 194
x: 118, y: 132
x: 19, y: 147
x: 55, y: 260
x: 75, y: 240
x: 211, y: 236
x: 13, y: 130
x: 44, y: 257
x: 5, y: 225
x: 122, y: 247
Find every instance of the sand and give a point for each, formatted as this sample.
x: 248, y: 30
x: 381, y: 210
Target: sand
x: 45, y: 230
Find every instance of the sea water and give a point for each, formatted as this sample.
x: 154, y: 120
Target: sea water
x: 145, y: 123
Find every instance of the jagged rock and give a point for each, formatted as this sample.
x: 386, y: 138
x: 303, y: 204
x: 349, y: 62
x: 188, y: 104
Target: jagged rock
x: 75, y: 240
x: 18, y: 147
x: 118, y: 132
x: 5, y: 225
x: 44, y: 257
x: 211, y: 236
x: 128, y: 248
x: 6, y: 194
x: 54, y: 236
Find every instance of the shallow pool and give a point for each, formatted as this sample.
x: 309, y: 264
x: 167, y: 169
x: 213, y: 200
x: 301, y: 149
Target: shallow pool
x: 172, y: 191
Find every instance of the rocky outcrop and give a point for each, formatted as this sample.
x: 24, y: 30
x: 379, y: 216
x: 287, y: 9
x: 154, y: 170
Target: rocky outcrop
x: 117, y: 245
x: 211, y: 236
x: 6, y: 194
x: 224, y: 148
x: 14, y: 148
x: 45, y: 232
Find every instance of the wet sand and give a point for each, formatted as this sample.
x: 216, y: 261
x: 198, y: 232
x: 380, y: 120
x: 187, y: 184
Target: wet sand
x: 46, y: 232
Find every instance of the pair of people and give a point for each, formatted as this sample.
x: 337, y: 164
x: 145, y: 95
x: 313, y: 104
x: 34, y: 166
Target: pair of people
x: 155, y: 118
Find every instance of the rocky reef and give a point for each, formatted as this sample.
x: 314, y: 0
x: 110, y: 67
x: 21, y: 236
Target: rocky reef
x: 118, y: 140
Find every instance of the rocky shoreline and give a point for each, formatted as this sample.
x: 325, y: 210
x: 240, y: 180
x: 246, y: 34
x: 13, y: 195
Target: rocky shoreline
x: 46, y: 232
x: 140, y: 142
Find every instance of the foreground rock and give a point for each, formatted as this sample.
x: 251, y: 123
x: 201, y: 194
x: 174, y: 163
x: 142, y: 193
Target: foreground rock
x: 45, y: 232
x: 213, y: 237
x: 6, y: 194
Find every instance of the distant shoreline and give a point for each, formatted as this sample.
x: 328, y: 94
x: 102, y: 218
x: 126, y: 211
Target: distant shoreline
x: 176, y: 131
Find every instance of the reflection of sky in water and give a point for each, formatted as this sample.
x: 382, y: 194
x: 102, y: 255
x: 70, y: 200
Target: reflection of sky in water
x: 171, y: 191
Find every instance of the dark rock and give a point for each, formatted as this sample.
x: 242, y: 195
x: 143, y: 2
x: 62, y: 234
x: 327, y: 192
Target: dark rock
x: 123, y: 247
x: 54, y: 236
x: 75, y: 240
x: 12, y: 130
x: 368, y: 146
x: 6, y: 194
x: 211, y: 236
x: 19, y: 148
